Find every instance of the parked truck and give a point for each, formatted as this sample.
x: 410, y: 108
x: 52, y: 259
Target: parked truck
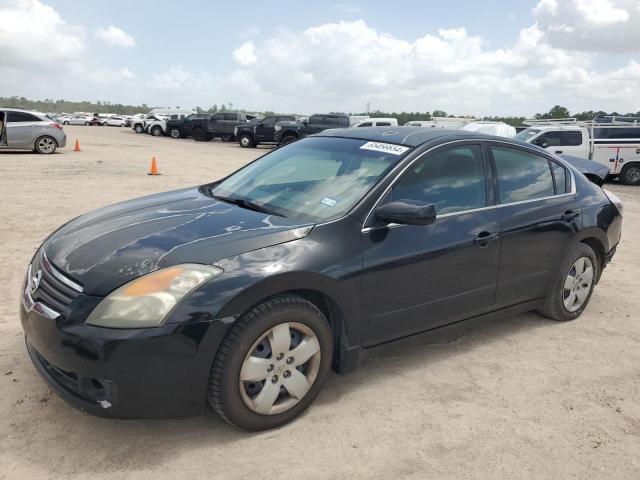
x: 612, y: 141
x: 286, y: 132
x: 219, y: 125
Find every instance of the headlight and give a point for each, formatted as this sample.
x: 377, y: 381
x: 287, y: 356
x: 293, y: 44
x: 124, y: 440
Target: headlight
x: 278, y: 128
x: 146, y: 301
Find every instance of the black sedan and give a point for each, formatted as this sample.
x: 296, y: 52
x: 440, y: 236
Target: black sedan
x: 247, y: 291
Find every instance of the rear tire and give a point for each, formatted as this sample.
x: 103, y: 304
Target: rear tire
x: 139, y: 128
x: 86, y: 124
x: 288, y: 139
x: 174, y: 133
x: 65, y: 123
x: 45, y: 145
x: 630, y: 174
x: 573, y: 284
x: 156, y: 131
x: 251, y: 392
x: 245, y: 140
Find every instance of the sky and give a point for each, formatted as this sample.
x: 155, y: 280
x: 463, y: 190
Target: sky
x: 466, y: 57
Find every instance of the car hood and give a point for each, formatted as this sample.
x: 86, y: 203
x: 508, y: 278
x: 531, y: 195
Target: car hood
x: 594, y: 171
x: 110, y: 246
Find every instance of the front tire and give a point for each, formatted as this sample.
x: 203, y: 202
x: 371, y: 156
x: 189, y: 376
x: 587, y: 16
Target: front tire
x: 174, y: 133
x: 199, y: 135
x: 288, y: 139
x: 45, y: 145
x: 573, y: 285
x: 630, y: 174
x: 245, y: 141
x: 139, y: 129
x: 156, y: 131
x: 272, y: 364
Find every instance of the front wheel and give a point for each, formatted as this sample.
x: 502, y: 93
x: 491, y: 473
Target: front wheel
x: 65, y: 123
x: 245, y: 141
x: 86, y: 124
x: 45, y: 145
x: 174, y: 133
x: 199, y: 135
x: 630, y: 174
x: 272, y: 364
x: 573, y: 285
x: 288, y: 139
x: 139, y: 129
x: 156, y: 131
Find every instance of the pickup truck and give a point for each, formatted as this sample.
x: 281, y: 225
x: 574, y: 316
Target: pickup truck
x: 220, y: 125
x: 611, y: 141
x: 181, y: 127
x: 253, y: 133
x: 286, y: 132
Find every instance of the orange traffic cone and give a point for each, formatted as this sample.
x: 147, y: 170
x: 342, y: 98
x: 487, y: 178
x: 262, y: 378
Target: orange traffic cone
x: 154, y: 167
x: 77, y: 149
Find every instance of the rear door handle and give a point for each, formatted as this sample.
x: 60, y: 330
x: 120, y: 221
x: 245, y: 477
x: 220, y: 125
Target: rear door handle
x: 485, y: 238
x: 570, y: 215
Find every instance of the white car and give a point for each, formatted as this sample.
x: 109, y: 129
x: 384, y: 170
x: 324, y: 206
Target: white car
x: 378, y: 122
x: 115, y: 122
x: 75, y: 120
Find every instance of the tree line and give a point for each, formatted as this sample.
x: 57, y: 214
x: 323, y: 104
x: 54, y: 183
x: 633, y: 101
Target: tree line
x: 66, y: 106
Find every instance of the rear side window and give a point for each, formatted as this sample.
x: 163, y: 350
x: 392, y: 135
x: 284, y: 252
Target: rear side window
x: 550, y: 139
x: 230, y: 116
x: 560, y: 178
x: 21, y: 117
x: 571, y: 139
x: 522, y: 175
x: 365, y: 124
x: 383, y: 124
x: 331, y: 121
x: 286, y: 119
x: 453, y: 179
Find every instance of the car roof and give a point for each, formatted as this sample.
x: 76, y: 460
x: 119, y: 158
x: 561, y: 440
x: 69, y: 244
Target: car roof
x: 409, y: 136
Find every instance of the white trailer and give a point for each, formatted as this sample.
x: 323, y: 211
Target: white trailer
x: 612, y: 141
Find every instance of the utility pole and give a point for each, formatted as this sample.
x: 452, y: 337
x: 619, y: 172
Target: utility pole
x: 230, y: 105
x: 368, y: 107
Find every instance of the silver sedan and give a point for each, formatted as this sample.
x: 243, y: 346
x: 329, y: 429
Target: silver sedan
x: 27, y: 130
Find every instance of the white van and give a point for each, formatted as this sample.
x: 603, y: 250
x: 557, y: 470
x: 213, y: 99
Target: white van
x: 378, y: 122
x: 612, y: 141
x: 441, y: 122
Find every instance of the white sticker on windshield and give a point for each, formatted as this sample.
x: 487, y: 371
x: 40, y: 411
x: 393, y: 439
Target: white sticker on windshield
x: 385, y: 147
x: 329, y: 202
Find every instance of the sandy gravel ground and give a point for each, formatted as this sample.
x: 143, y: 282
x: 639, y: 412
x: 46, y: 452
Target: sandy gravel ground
x: 518, y: 398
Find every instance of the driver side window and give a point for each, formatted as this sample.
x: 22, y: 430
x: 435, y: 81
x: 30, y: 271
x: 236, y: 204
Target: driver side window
x: 452, y: 179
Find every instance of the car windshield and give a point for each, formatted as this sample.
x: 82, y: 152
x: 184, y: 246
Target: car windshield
x: 527, y: 134
x: 317, y: 179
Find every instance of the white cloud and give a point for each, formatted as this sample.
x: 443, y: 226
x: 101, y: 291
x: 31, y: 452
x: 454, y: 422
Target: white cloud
x: 245, y: 54
x: 116, y: 37
x: 341, y: 66
x: 32, y: 35
x: 590, y: 25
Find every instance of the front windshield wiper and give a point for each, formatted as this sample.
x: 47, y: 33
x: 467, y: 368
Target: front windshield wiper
x: 249, y: 205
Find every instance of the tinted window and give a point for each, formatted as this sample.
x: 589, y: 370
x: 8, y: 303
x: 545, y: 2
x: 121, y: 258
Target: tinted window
x: 383, y: 124
x: 365, y: 124
x: 22, y: 117
x: 614, y: 132
x: 552, y: 139
x: 268, y: 122
x: 560, y: 178
x: 315, y: 119
x: 230, y: 116
x: 572, y: 139
x: 218, y: 116
x: 522, y: 175
x: 331, y: 121
x: 286, y: 119
x: 452, y: 179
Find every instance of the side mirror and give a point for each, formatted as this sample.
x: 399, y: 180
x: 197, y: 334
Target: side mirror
x: 407, y: 212
x: 260, y: 124
x: 305, y: 122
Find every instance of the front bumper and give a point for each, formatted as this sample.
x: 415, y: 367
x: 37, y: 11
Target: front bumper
x: 144, y: 373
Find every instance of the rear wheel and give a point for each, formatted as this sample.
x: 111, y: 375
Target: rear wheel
x: 45, y: 145
x: 289, y: 139
x: 573, y: 285
x: 65, y: 123
x: 272, y: 364
x: 86, y: 124
x: 139, y: 129
x: 245, y: 140
x: 156, y: 131
x: 174, y: 133
x: 630, y: 174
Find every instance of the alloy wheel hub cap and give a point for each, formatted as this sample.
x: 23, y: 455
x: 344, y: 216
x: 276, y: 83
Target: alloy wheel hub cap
x: 577, y: 284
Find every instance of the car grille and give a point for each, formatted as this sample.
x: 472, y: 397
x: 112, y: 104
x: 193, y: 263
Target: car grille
x: 55, y: 289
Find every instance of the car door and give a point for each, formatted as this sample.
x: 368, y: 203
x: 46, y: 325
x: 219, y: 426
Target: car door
x: 22, y: 129
x: 419, y: 277
x: 265, y: 129
x: 539, y: 216
x: 3, y: 124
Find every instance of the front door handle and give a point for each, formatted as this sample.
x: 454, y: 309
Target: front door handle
x: 485, y: 238
x: 558, y: 152
x: 570, y: 215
